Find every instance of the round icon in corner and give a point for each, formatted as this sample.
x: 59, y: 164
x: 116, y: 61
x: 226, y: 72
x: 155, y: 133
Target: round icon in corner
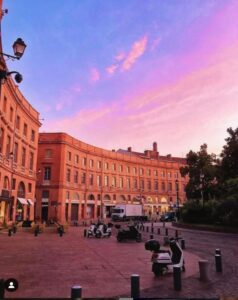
x: 11, y: 285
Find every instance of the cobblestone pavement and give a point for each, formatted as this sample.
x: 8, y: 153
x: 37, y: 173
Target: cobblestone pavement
x: 48, y: 265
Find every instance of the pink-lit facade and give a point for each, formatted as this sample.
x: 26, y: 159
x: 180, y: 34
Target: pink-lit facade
x: 79, y: 181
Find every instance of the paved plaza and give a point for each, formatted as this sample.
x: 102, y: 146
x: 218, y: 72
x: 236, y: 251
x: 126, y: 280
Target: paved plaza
x: 48, y: 265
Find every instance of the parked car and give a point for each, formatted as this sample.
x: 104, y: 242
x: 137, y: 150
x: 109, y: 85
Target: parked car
x: 129, y: 234
x: 168, y: 217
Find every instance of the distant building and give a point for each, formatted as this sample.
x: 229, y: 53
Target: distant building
x: 79, y: 181
x: 19, y: 126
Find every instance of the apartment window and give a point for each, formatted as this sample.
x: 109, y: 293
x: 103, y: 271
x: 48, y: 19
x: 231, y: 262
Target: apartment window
x: 156, y: 185
x: 23, y: 157
x: 67, y: 195
x: 135, y: 183
x: 91, y: 179
x: 15, y: 154
x: 1, y: 139
x: 134, y: 170
x: 25, y: 129
x: 83, y: 178
x: 84, y: 161
x: 149, y: 172
x: 106, y: 166
x: 76, y: 176
x: 76, y: 158
x: 170, y: 187
x: 169, y: 175
x: 99, y: 180
x: 128, y: 183
x: 11, y: 114
x: 5, y: 105
x: 32, y: 135
x: 99, y: 197
x: 149, y: 185
x: 31, y: 161
x: 13, y: 183
x: 121, y: 168
x: 141, y: 171
x: 106, y: 180
x: 162, y: 174
x: 142, y: 184
x: 46, y: 194
x: 8, y: 146
x: 99, y: 164
x: 29, y: 187
x: 155, y: 173
x: 163, y: 186
x: 114, y: 182
x: 128, y: 169
x: 114, y: 167
x: 47, y: 173
x: 91, y: 163
x: 69, y: 156
x: 18, y: 122
x: 176, y: 175
x: 121, y: 182
x: 48, y: 153
x: 68, y: 173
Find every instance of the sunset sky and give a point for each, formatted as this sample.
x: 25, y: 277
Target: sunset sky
x: 127, y: 73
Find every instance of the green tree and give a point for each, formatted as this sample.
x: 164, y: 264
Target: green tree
x: 229, y: 155
x: 201, y: 169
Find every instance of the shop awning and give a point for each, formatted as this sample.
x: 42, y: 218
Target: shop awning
x: 30, y: 202
x: 22, y: 200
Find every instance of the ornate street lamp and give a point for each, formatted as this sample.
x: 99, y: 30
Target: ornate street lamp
x: 18, y: 47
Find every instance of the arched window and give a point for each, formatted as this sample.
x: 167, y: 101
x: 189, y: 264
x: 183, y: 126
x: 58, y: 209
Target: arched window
x: 21, y: 191
x: 6, y: 184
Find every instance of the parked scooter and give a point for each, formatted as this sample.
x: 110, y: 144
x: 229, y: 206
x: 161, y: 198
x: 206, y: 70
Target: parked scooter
x: 91, y: 232
x: 103, y: 230
x: 163, y: 261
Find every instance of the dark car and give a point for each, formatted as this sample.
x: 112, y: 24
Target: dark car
x: 129, y: 234
x: 168, y: 217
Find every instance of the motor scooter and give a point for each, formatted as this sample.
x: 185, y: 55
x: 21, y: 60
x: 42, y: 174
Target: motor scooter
x: 91, y: 232
x: 103, y: 230
x: 163, y: 261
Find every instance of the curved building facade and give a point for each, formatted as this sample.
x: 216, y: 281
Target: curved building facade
x: 19, y: 127
x: 79, y: 181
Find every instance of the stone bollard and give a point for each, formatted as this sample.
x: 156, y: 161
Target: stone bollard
x: 203, y: 269
x: 36, y: 231
x: 218, y: 251
x: 166, y: 232
x: 85, y: 232
x: 176, y: 234
x: 14, y: 229
x: 9, y: 232
x: 177, y: 278
x: 135, y: 286
x: 151, y: 236
x: 158, y: 231
x: 183, y: 244
x: 218, y: 263
x: 2, y: 288
x: 76, y: 292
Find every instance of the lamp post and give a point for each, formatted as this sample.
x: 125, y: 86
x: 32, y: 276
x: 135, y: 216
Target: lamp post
x: 201, y: 185
x: 18, y: 47
x: 177, y: 196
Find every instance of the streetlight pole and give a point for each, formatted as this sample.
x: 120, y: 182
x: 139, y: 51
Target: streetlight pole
x: 177, y: 197
x: 201, y: 185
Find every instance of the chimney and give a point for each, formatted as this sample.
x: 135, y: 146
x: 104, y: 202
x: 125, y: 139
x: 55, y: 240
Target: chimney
x: 168, y: 155
x: 113, y: 150
x: 147, y: 153
x: 155, y: 147
x: 129, y: 149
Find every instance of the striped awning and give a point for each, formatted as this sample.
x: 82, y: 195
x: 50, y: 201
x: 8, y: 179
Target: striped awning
x: 30, y: 202
x: 22, y: 200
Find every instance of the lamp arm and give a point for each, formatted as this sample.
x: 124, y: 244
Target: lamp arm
x: 9, y: 56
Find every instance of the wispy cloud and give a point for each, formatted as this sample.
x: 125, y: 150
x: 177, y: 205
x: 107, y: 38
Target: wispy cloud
x: 111, y: 69
x: 138, y: 49
x: 94, y: 75
x: 155, y: 43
